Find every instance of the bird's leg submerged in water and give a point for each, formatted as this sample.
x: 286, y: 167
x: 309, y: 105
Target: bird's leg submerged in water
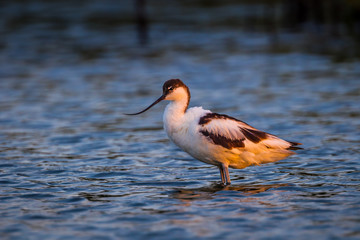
x: 224, y: 173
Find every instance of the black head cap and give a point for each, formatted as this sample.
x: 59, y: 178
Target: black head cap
x: 172, y: 84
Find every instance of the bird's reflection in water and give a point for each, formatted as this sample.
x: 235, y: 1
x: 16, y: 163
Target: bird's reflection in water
x: 213, y: 190
x: 234, y: 204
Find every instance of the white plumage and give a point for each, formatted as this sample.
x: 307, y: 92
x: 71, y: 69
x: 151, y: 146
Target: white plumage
x: 214, y: 138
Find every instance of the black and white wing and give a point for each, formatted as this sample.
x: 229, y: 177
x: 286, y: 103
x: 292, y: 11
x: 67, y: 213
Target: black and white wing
x: 239, y: 137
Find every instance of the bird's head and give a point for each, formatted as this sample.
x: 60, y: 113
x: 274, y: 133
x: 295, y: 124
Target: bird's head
x: 173, y: 90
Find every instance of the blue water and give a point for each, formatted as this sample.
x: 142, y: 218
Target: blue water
x: 73, y: 166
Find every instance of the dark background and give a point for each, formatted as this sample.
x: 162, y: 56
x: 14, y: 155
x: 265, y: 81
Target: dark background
x: 88, y: 29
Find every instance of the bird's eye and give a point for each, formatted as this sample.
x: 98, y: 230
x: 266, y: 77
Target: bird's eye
x: 170, y: 88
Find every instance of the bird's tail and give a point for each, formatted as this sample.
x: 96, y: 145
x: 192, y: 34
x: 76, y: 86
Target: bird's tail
x: 294, y: 146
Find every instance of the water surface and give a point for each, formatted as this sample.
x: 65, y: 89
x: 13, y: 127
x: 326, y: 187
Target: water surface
x: 73, y: 166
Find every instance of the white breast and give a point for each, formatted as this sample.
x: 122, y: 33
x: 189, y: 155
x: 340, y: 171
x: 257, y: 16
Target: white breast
x: 183, y: 129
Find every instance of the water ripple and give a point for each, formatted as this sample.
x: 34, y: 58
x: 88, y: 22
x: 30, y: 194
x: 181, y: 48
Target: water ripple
x: 73, y: 166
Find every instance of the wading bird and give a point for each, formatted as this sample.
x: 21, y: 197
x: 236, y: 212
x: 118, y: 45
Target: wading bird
x: 214, y: 138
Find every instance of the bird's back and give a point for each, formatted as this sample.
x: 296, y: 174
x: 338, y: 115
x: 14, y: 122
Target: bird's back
x: 217, y: 138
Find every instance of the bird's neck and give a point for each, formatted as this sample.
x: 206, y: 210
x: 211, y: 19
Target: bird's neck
x: 174, y: 113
